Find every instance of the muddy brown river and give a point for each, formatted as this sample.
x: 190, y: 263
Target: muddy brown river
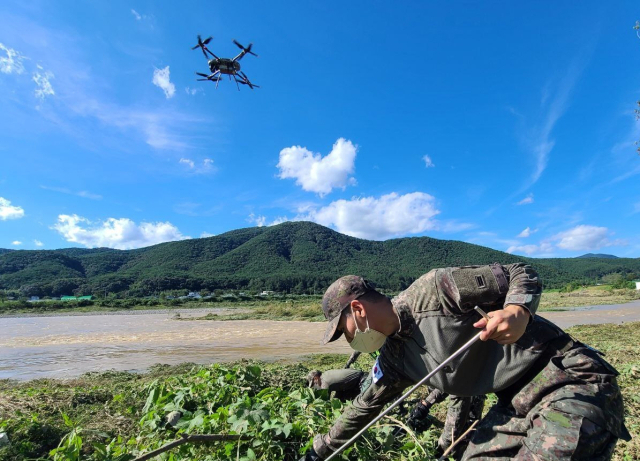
x: 64, y: 346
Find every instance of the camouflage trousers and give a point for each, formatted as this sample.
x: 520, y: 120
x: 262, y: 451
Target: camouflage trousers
x: 461, y: 413
x: 571, y: 410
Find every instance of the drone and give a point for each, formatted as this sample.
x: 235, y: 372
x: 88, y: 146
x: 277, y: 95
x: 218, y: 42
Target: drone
x: 224, y: 66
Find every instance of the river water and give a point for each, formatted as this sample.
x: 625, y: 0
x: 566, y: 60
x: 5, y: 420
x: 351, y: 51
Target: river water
x: 63, y: 346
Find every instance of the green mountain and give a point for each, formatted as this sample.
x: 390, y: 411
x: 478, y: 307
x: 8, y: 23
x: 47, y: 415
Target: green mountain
x: 293, y: 256
x: 598, y: 255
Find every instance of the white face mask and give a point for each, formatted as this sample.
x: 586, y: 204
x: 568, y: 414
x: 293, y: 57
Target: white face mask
x: 368, y: 340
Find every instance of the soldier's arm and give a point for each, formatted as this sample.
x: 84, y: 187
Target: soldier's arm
x: 512, y: 292
x: 364, y: 408
x: 353, y: 358
x: 491, y: 287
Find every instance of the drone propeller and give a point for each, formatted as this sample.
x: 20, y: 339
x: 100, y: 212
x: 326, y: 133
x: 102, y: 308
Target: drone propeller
x: 211, y: 77
x: 245, y: 81
x: 202, y: 44
x: 247, y: 49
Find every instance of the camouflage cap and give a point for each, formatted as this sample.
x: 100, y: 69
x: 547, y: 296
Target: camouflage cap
x: 338, y: 296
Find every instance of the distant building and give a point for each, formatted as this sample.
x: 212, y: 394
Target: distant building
x: 266, y: 293
x: 67, y: 298
x: 34, y: 299
x: 85, y: 298
x: 194, y: 295
x: 637, y: 285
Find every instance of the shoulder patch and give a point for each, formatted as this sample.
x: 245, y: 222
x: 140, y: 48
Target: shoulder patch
x: 376, y: 371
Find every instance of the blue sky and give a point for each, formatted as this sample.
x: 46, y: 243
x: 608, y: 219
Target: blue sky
x: 505, y: 124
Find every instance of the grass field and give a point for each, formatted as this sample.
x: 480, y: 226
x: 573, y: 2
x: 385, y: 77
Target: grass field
x: 107, y: 416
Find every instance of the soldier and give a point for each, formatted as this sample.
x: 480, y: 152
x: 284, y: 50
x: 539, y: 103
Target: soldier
x: 557, y: 398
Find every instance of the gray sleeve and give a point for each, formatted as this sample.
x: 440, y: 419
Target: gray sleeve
x: 525, y: 287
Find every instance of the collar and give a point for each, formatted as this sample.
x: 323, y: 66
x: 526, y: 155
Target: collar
x: 407, y: 322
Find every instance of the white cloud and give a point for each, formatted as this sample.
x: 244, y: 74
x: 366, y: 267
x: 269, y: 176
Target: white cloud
x: 38, y: 243
x: 544, y: 249
x: 122, y: 233
x: 279, y: 220
x: 136, y: 15
x: 161, y: 79
x: 579, y: 238
x: 8, y: 211
x: 206, y: 234
x: 16, y: 242
x: 188, y: 162
x: 257, y: 220
x: 82, y: 193
x: 527, y: 200
x: 12, y: 62
x: 193, y: 91
x: 315, y: 173
x: 428, y: 162
x: 527, y: 232
x: 555, y: 104
x: 43, y: 84
x: 391, y: 215
x: 205, y: 167
x: 584, y: 237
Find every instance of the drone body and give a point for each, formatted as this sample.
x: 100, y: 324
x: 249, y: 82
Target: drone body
x: 225, y: 66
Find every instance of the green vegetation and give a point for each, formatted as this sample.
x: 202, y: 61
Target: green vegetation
x: 118, y: 415
x: 566, y: 298
x: 293, y: 257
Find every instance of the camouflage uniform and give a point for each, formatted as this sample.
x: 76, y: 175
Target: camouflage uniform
x: 548, y: 384
x: 461, y: 412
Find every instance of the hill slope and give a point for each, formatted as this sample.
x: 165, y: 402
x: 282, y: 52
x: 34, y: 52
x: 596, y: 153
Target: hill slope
x: 293, y: 256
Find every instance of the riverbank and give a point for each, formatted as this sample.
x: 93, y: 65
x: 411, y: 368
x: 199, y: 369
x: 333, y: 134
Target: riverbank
x: 289, y: 307
x: 68, y: 346
x: 123, y: 412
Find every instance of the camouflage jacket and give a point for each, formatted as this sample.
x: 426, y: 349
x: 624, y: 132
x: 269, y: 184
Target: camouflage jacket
x: 436, y: 318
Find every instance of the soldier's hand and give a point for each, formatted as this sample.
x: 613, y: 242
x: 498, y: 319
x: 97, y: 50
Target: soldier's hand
x: 505, y: 326
x: 419, y: 420
x: 311, y: 455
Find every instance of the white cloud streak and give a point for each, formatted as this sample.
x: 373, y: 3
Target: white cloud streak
x: 121, y: 233
x: 8, y: 211
x: 257, y: 220
x: 527, y: 232
x: 188, y: 162
x: 16, y: 242
x: 205, y: 167
x: 543, y: 249
x: 162, y: 79
x: 43, y: 85
x: 554, y: 102
x: 526, y: 201
x: 82, y: 193
x: 38, y: 243
x: 12, y: 62
x: 136, y: 15
x: 318, y: 174
x: 428, y: 162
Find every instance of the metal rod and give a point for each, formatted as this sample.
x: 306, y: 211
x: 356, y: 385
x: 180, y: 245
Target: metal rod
x: 464, y: 347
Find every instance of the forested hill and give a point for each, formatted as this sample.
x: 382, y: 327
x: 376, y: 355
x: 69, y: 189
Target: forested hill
x: 293, y: 256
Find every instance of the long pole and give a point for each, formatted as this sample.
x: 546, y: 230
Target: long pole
x: 466, y: 346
